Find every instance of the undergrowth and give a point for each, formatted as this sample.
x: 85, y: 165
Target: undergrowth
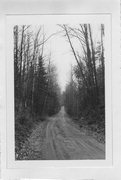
x: 93, y: 121
x: 24, y: 124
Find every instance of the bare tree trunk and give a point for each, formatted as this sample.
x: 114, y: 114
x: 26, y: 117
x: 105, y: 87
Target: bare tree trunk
x: 94, y: 65
x: 48, y: 85
x: 102, y: 55
x: 90, y: 67
x: 16, y: 44
x: 21, y: 61
x: 34, y: 65
x: 76, y: 57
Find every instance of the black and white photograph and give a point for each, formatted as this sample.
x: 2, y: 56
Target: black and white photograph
x: 59, y: 91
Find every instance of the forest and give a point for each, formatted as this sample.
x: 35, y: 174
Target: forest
x: 37, y: 91
x: 84, y: 97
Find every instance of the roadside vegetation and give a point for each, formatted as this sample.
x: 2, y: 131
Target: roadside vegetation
x: 37, y: 93
x: 84, y: 98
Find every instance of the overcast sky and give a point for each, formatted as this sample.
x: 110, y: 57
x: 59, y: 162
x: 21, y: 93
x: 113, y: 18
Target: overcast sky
x: 61, y: 54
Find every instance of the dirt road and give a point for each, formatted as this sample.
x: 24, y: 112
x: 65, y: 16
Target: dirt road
x: 62, y: 139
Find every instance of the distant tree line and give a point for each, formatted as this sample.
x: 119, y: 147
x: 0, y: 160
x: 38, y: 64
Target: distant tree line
x: 85, y: 94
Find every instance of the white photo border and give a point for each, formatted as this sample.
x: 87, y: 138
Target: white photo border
x: 22, y: 170
x: 11, y: 21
